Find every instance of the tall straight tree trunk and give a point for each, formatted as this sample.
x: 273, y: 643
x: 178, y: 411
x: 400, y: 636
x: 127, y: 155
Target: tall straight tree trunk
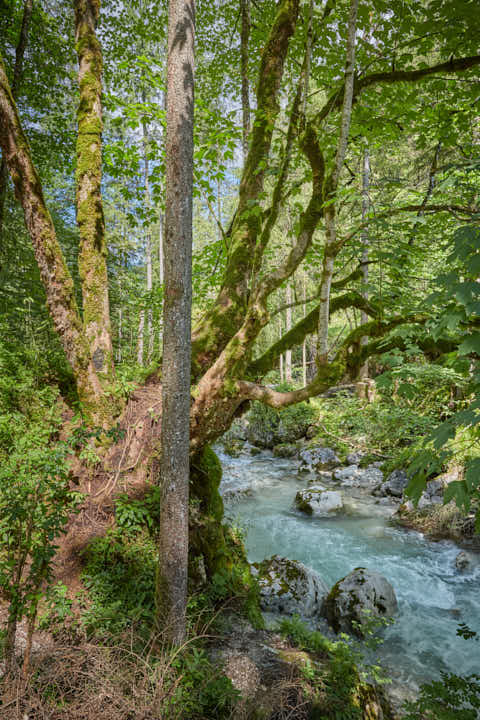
x: 304, y: 345
x: 288, y: 324
x: 244, y: 41
x: 148, y: 241
x: 92, y: 259
x: 363, y: 373
x: 140, y: 341
x: 174, y: 463
x: 331, y: 250
x: 17, y: 79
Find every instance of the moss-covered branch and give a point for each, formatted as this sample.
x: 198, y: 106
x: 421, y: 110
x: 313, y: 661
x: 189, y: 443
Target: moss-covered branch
x: 430, y: 347
x: 307, y: 326
x: 222, y: 322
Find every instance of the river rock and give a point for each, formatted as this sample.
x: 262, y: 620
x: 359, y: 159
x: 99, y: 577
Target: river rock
x: 317, y: 501
x: 463, y: 561
x: 318, y: 458
x: 354, y: 458
x: 354, y: 476
x: 288, y: 586
x: 394, y: 485
x: 359, y: 596
x: 285, y: 450
x: 321, y: 477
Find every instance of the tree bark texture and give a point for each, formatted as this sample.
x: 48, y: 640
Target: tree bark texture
x: 175, y: 445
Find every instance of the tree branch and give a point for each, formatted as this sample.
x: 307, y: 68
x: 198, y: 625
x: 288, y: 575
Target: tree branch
x: 306, y: 326
x: 424, y: 209
x: 389, y: 78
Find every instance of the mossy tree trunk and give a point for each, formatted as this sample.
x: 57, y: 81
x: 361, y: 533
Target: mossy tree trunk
x: 54, y: 273
x: 17, y: 79
x: 92, y: 261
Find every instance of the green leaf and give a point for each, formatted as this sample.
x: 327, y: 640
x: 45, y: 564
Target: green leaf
x: 471, y: 344
x: 472, y: 475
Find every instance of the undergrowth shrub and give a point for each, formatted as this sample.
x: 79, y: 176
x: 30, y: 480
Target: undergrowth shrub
x: 337, y: 676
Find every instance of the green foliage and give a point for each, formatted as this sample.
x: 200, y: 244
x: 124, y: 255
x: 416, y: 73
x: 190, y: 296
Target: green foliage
x: 35, y: 505
x: 204, y: 691
x: 382, y: 429
x: 119, y: 576
x: 58, y: 606
x: 134, y: 515
x: 451, y: 698
x: 429, y: 388
x: 337, y: 677
x: 457, y: 301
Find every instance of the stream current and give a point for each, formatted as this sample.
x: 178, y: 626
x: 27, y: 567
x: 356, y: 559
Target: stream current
x: 433, y: 596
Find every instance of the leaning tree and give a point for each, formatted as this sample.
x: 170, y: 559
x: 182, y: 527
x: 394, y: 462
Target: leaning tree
x: 345, y: 66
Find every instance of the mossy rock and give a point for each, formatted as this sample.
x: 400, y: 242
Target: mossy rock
x: 318, y: 501
x: 357, y: 599
x: 285, y: 450
x: 290, y: 587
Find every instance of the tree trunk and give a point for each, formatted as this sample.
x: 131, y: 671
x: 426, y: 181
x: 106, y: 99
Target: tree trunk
x: 363, y: 373
x: 92, y: 259
x: 288, y: 318
x: 331, y: 247
x: 304, y: 344
x: 141, y: 328
x: 148, y: 242
x: 244, y: 40
x: 17, y: 79
x: 54, y: 273
x: 175, y: 442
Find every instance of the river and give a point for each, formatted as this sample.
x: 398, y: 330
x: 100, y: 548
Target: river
x: 433, y: 596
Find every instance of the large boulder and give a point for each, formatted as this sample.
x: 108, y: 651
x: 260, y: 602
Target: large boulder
x: 318, y: 501
x: 361, y: 595
x: 290, y: 587
x: 354, y: 476
x: 394, y: 486
x: 313, y: 459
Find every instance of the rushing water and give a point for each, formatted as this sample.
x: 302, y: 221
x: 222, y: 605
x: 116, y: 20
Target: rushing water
x: 433, y: 596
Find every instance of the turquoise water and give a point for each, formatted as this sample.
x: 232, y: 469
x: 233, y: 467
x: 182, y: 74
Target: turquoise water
x: 434, y: 597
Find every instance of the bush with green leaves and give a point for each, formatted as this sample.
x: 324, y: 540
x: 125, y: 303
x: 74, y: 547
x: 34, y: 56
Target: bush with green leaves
x: 35, y: 505
x: 119, y: 577
x: 450, y: 698
x: 338, y: 680
x: 457, y: 305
